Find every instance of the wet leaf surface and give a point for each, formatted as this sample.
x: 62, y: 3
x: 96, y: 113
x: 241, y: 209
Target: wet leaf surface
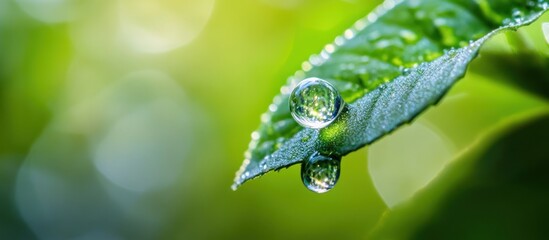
x: 389, y: 67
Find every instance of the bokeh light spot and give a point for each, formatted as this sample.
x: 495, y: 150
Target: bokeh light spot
x: 48, y: 11
x: 158, y: 26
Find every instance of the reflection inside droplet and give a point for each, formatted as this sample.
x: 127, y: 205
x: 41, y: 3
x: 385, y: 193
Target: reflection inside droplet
x: 320, y: 173
x: 315, y: 103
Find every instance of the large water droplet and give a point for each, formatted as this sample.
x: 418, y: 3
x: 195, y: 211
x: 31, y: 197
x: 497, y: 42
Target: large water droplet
x: 320, y: 173
x: 315, y: 103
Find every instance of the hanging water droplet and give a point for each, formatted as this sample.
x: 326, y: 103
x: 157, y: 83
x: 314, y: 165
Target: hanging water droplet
x: 315, y: 103
x: 320, y: 173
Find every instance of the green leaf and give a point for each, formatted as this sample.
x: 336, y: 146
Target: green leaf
x: 389, y: 67
x: 496, y: 190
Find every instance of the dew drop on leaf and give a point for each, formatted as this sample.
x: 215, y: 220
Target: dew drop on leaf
x: 315, y: 103
x: 320, y: 173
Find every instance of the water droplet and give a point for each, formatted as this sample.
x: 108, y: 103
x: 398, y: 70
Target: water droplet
x: 543, y: 4
x: 265, y: 118
x: 255, y: 135
x: 517, y: 15
x: 263, y: 165
x: 339, y: 40
x: 315, y: 103
x: 329, y: 48
x: 389, y: 4
x: 306, y: 66
x: 324, y: 54
x: 315, y: 60
x: 349, y: 34
x: 360, y: 24
x: 506, y: 21
x: 320, y: 173
x: 372, y: 17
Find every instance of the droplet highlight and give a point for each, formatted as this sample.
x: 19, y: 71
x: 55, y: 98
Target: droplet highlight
x: 315, y: 103
x: 320, y: 173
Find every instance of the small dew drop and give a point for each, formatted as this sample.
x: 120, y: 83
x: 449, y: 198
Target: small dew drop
x: 389, y: 4
x: 265, y: 118
x: 316, y: 60
x: 543, y: 4
x: 252, y: 144
x: 517, y: 15
x: 349, y: 34
x: 276, y: 100
x: 329, y: 48
x: 320, y: 173
x: 298, y: 76
x: 325, y: 55
x: 273, y: 108
x: 372, y: 17
x: 263, y: 165
x: 255, y: 135
x: 339, y: 40
x: 315, y: 103
x: 360, y: 24
x: 306, y: 66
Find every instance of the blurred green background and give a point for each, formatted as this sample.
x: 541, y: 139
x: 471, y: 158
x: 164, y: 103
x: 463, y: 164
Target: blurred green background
x: 127, y: 119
